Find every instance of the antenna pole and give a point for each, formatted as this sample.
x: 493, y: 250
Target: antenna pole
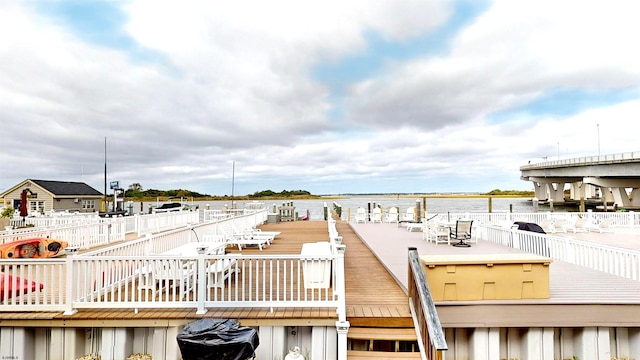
x: 233, y: 180
x: 105, y: 166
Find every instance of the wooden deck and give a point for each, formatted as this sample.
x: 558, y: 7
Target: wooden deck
x: 376, y: 275
x: 373, y: 297
x: 574, y: 290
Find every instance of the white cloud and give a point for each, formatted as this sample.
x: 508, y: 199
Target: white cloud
x: 232, y: 81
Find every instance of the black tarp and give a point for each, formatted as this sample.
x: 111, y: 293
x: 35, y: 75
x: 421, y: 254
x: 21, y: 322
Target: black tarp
x: 527, y: 226
x: 169, y: 206
x: 217, y: 339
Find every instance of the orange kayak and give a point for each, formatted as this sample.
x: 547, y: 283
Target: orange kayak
x: 32, y: 248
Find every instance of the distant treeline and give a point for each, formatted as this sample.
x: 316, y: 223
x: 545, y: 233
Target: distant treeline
x: 136, y: 193
x: 510, y: 192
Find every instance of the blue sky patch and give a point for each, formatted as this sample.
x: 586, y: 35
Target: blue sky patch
x: 381, y: 52
x: 98, y: 22
x: 567, y: 102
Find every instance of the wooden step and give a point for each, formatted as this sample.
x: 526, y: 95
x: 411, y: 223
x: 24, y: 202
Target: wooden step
x: 402, y: 334
x: 355, y: 355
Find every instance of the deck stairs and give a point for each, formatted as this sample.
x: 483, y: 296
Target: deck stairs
x: 382, y: 343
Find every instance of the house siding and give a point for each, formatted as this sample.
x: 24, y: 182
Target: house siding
x: 51, y: 201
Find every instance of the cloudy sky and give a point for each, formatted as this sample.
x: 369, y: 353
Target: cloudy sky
x: 356, y: 96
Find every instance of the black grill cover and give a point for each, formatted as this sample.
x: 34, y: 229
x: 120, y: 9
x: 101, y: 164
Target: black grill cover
x: 217, y: 339
x: 529, y: 227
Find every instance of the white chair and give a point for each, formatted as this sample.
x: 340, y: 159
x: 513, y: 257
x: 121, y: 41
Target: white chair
x: 376, y: 215
x: 578, y: 225
x: 361, y: 215
x: 560, y: 225
x: 603, y: 226
x: 392, y: 215
x: 547, y: 225
x: 409, y: 215
x: 436, y: 232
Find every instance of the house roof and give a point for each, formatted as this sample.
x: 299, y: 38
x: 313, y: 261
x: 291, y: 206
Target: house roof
x: 67, y: 188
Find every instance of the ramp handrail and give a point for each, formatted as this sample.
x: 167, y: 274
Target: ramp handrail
x: 429, y: 331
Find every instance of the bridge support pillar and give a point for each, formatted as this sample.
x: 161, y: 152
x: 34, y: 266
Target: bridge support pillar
x: 540, y: 190
x: 620, y: 197
x: 556, y: 193
x: 580, y: 190
x: 545, y: 189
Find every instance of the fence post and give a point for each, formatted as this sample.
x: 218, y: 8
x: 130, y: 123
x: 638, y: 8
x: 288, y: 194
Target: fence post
x: 70, y: 281
x: 325, y: 211
x: 201, y: 290
x: 515, y: 239
x: 342, y: 325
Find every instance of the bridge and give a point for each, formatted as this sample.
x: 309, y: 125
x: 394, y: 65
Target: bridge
x: 610, y: 179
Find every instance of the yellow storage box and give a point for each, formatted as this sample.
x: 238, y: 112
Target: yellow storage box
x: 487, y: 276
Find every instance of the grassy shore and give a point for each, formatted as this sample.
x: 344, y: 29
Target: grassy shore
x: 334, y: 197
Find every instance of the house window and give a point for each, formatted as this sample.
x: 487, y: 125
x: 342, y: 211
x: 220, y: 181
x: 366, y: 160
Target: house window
x: 36, y: 206
x: 88, y: 204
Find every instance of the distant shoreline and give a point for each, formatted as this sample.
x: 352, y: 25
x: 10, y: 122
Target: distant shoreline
x: 332, y: 197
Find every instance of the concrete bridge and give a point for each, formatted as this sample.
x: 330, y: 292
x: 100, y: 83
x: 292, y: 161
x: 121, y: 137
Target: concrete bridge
x: 610, y: 179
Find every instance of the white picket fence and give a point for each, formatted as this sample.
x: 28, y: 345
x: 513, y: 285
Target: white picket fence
x: 621, y: 219
x: 134, y: 275
x: 609, y: 259
x: 86, y: 232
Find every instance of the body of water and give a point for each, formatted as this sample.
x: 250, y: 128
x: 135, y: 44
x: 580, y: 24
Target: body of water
x: 433, y: 205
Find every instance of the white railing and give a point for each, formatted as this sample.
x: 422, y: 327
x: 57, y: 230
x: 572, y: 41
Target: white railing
x: 609, y: 259
x: 98, y: 231
x: 586, y: 160
x: 214, y: 215
x: 150, y: 282
x: 36, y: 285
x: 84, y: 236
x: 621, y: 219
x: 165, y: 221
x: 130, y: 275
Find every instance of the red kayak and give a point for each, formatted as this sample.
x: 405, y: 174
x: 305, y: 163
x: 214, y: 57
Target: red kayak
x: 16, y: 286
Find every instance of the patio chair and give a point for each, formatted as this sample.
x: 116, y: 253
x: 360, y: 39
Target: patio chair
x: 361, y: 215
x: 462, y: 233
x: 436, y: 232
x: 392, y: 215
x: 547, y: 225
x: 376, y: 215
x: 560, y: 225
x: 409, y: 215
x: 579, y: 225
x: 603, y: 226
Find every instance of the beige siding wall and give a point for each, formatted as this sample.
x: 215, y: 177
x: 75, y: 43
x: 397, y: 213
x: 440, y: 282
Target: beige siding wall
x: 50, y: 203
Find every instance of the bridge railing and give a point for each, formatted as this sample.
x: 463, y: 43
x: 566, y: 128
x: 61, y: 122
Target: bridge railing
x: 585, y: 160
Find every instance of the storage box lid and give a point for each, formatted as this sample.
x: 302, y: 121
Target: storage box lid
x: 514, y: 258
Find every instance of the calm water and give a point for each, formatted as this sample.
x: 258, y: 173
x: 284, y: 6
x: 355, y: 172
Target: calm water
x: 434, y: 205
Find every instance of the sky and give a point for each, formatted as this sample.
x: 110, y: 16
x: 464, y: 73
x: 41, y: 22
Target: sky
x: 332, y: 97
